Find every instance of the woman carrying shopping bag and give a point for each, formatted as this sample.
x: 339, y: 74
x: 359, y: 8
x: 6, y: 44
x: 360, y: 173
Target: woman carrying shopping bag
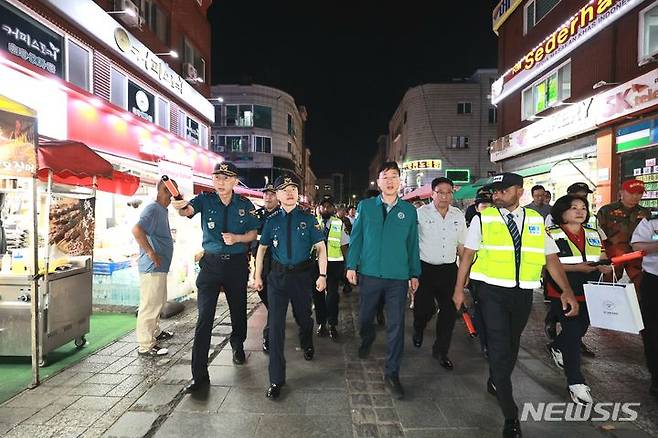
x: 580, y: 250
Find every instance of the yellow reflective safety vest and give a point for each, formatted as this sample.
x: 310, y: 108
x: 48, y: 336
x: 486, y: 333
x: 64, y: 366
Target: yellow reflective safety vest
x: 496, y: 261
x: 334, y: 253
x: 569, y: 252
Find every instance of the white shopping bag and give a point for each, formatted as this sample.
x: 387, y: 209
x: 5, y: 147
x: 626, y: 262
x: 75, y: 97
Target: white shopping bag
x: 613, y: 306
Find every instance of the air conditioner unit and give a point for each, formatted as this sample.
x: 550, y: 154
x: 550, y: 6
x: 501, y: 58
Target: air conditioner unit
x: 190, y: 72
x: 131, y: 17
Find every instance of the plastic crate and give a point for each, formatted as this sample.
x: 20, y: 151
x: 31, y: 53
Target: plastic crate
x: 108, y: 268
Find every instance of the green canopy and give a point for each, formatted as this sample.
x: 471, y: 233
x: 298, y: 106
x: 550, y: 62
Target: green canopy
x: 469, y: 191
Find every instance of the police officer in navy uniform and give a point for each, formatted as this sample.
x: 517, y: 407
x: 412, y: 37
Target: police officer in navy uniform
x: 229, y: 225
x: 290, y: 234
x: 271, y: 206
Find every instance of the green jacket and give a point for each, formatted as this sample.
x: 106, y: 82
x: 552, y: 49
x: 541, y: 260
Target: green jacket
x: 385, y: 248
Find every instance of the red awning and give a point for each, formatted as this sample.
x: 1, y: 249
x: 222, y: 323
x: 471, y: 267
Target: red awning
x: 423, y: 192
x: 75, y: 164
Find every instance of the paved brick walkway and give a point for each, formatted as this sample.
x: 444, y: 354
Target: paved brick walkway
x: 115, y: 393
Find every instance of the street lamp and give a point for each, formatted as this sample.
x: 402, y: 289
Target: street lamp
x: 372, y: 183
x: 217, y: 99
x: 172, y: 53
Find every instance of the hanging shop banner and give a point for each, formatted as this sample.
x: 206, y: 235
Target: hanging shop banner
x: 422, y: 164
x: 18, y: 156
x: 72, y: 226
x: 592, y: 18
x: 141, y: 102
x: 26, y: 38
x: 502, y: 11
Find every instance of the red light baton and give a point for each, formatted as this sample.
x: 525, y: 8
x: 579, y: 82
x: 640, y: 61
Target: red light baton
x: 172, y: 188
x: 469, y: 324
x: 627, y: 257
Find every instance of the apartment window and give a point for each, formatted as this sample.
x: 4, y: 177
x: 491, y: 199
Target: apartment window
x: 231, y: 115
x: 262, y: 117
x: 263, y: 144
x: 648, y: 28
x: 457, y: 142
x: 245, y: 116
x: 290, y: 147
x: 162, y: 113
x: 78, y: 65
x: 493, y: 115
x: 291, y: 126
x: 218, y: 114
x: 118, y: 88
x: 237, y: 143
x: 464, y: 108
x: 203, y: 136
x: 193, y: 63
x: 550, y: 90
x: 156, y: 20
x: 535, y: 10
x: 404, y: 122
x: 219, y: 143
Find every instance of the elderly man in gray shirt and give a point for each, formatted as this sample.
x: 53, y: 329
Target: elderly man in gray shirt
x: 539, y: 201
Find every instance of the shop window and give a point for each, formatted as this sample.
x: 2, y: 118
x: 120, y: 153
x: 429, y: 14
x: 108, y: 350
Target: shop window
x: 493, y: 115
x: 535, y: 10
x: 263, y: 144
x: 231, y: 115
x: 194, y: 66
x: 648, y: 39
x: 237, y: 143
x: 245, y: 116
x: 550, y: 90
x: 262, y: 117
x: 118, y: 88
x: 162, y: 113
x: 203, y: 136
x: 457, y: 142
x: 78, y: 65
x: 464, y: 108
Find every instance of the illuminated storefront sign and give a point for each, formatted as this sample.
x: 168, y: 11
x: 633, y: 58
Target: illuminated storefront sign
x: 634, y: 95
x: 502, y: 11
x: 141, y: 102
x: 422, y: 164
x: 21, y: 36
x: 595, y: 16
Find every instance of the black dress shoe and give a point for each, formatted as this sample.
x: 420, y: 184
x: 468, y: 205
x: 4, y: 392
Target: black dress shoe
x: 392, y: 381
x: 239, y: 357
x: 585, y: 351
x: 446, y: 363
x: 491, y: 388
x: 322, y: 331
x: 196, y: 386
x: 266, y: 346
x: 512, y: 429
x: 417, y: 338
x: 333, y: 333
x: 364, y: 351
x: 273, y: 392
x: 308, y: 353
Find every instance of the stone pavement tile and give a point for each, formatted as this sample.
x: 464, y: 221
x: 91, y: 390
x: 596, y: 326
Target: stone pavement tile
x: 95, y: 403
x: 557, y: 430
x: 132, y: 424
x: 390, y: 431
x: 382, y: 401
x: 119, y: 365
x: 286, y: 426
x: 357, y: 386
x: 631, y: 434
x: 107, y: 379
x: 221, y: 425
x: 90, y: 389
x: 317, y: 379
x: 328, y: 402
x: 419, y: 413
x: 88, y: 367
x: 127, y: 385
x: 126, y: 349
x: 366, y: 431
x: 137, y: 370
x: 386, y: 415
x: 36, y: 431
x: 244, y: 376
x: 45, y: 414
x: 31, y: 399
x: 74, y: 418
x: 254, y: 402
x: 157, y: 397
x: 99, y: 358
x: 363, y: 416
x: 93, y: 432
x: 13, y: 416
x: 68, y: 378
x: 177, y: 374
x: 463, y: 412
x: 361, y: 400
x: 206, y: 402
x: 108, y: 418
x: 4, y: 427
x: 452, y: 433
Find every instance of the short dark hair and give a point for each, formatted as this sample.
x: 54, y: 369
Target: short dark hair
x: 389, y: 165
x: 537, y: 187
x: 442, y: 180
x: 563, y: 204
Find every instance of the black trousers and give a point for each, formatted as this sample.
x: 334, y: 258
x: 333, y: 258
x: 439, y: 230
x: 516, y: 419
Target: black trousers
x: 568, y: 340
x: 437, y: 284
x: 215, y: 273
x: 326, y: 302
x: 284, y: 288
x: 649, y: 308
x: 478, y: 319
x: 505, y: 312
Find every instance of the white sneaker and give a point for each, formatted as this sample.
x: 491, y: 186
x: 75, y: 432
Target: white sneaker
x: 580, y: 394
x: 557, y: 356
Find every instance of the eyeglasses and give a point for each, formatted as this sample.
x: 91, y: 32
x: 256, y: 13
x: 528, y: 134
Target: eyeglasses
x: 440, y: 193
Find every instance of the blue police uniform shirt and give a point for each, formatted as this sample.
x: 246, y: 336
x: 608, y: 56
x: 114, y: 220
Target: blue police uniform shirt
x: 291, y: 236
x: 154, y: 221
x: 238, y: 217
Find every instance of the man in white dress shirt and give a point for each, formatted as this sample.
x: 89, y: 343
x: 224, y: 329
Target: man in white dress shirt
x: 441, y: 234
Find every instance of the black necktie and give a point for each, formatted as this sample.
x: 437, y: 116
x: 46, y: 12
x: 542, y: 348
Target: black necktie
x: 516, y: 237
x: 289, y: 235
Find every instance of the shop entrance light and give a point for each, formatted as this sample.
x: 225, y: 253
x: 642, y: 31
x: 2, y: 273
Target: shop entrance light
x: 600, y: 84
x: 216, y: 99
x: 129, y: 12
x: 172, y: 53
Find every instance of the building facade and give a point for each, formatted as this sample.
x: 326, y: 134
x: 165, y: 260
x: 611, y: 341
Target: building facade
x: 377, y: 160
x: 444, y: 130
x: 575, y: 98
x: 261, y: 129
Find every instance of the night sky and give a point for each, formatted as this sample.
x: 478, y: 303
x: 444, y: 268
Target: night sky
x: 350, y: 63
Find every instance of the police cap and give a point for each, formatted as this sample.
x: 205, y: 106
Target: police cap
x: 225, y: 168
x: 284, y: 181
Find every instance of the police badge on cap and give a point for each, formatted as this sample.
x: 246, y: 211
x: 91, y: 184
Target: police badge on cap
x: 226, y: 168
x: 284, y: 181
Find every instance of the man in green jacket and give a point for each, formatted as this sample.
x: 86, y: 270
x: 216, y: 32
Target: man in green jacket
x: 384, y: 250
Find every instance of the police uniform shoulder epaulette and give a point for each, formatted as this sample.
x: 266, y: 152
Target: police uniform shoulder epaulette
x: 275, y: 214
x: 243, y: 199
